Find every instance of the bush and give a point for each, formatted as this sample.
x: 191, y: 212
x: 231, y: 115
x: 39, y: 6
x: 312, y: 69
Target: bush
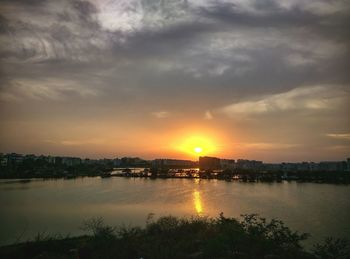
x: 171, y: 237
x: 333, y: 249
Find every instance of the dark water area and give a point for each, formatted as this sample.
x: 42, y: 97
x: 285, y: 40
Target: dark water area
x: 61, y: 206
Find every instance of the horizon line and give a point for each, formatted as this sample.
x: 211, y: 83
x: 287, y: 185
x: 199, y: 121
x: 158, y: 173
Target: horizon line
x: 120, y: 157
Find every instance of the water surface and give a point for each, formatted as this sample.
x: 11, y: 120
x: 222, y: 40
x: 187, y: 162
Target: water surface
x: 60, y: 206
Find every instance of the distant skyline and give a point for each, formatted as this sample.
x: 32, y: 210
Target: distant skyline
x: 170, y: 158
x: 258, y: 79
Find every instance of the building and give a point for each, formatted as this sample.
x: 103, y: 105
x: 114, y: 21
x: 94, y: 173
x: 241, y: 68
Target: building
x: 270, y: 167
x: 3, y: 160
x: 303, y: 166
x: 71, y: 161
x: 209, y: 163
x: 325, y: 166
x: 51, y: 159
x: 14, y: 158
x: 227, y: 164
x: 173, y: 163
x: 133, y: 162
x: 249, y: 164
x: 334, y: 166
x: 117, y: 162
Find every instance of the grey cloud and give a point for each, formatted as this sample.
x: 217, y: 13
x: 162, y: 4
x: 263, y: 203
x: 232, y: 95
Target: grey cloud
x: 24, y: 2
x: 37, y: 40
x: 271, y: 15
x: 45, y: 88
x: 218, y: 49
x: 340, y: 136
x: 304, y: 99
x: 166, y: 40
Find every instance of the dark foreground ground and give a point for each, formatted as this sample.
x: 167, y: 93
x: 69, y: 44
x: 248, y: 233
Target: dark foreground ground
x: 171, y: 237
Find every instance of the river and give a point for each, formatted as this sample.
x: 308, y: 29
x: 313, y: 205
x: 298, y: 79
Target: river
x: 61, y: 206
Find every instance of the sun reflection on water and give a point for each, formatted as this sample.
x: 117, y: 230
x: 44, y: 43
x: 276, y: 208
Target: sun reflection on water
x: 198, y: 202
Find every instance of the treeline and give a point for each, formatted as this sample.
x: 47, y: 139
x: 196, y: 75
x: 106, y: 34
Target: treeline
x: 40, y: 168
x: 170, y: 237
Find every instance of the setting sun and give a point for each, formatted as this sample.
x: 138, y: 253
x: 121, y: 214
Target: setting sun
x: 198, y: 150
x: 196, y: 145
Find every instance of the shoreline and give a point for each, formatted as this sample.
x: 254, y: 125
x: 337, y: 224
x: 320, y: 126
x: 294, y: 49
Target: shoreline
x: 25, y: 180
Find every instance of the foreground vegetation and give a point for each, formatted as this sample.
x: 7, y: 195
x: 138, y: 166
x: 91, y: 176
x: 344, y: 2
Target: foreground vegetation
x: 171, y: 237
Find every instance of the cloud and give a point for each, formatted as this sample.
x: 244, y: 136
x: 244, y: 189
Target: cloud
x: 345, y: 148
x: 341, y: 136
x: 208, y: 115
x: 266, y: 145
x: 44, y: 89
x: 129, y: 16
x: 161, y: 114
x: 215, y: 45
x: 92, y: 141
x: 74, y: 60
x: 51, y: 31
x: 299, y: 60
x: 313, y: 98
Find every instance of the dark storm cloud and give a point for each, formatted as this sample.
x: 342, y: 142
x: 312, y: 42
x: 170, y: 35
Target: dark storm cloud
x: 86, y: 12
x: 44, y: 34
x: 271, y: 15
x: 82, y: 24
x: 292, y: 26
x: 3, y: 24
x: 24, y: 2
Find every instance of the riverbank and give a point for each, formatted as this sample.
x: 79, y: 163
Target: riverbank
x: 226, y: 175
x: 235, y: 175
x: 170, y: 237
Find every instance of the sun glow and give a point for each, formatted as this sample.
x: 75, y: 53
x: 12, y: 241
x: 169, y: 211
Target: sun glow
x: 197, y: 145
x: 198, y: 150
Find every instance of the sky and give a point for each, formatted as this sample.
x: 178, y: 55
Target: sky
x: 255, y: 79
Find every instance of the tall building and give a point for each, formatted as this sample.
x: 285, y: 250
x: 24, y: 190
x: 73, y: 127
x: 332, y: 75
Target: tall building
x: 227, y: 164
x: 173, y: 163
x: 334, y: 166
x: 249, y: 164
x: 209, y: 163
